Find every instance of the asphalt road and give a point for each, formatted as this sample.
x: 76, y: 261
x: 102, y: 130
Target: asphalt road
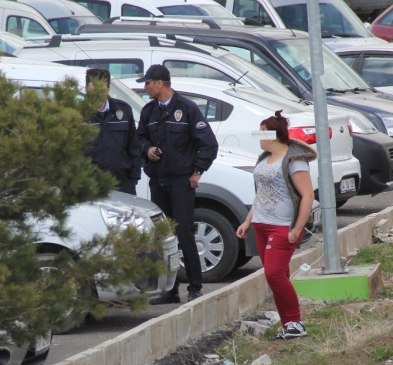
x: 121, y: 320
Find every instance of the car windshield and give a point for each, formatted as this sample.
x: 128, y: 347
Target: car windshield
x: 215, y: 11
x: 69, y: 25
x: 259, y: 78
x: 264, y: 99
x: 338, y: 75
x: 336, y: 19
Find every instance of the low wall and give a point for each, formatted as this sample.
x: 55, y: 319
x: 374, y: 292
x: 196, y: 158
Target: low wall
x: 159, y: 336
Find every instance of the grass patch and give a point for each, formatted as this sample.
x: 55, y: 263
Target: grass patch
x: 349, y: 332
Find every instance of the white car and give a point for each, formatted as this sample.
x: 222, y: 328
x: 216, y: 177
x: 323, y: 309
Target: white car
x: 131, y: 55
x: 157, y: 8
x: 234, y: 111
x: 64, y: 16
x: 338, y: 22
x: 33, y: 18
x: 27, y: 354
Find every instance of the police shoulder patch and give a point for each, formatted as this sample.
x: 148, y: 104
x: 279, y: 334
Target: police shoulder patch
x: 201, y: 125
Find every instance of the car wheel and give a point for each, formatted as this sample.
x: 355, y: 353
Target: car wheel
x: 242, y: 259
x: 72, y: 318
x: 217, y: 244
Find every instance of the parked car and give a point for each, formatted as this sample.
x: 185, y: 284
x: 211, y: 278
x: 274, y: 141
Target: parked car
x: 368, y: 10
x: 285, y: 55
x: 131, y: 59
x: 382, y: 26
x: 373, y: 63
x: 235, y: 111
x: 152, y: 8
x: 64, y: 16
x: 338, y: 21
x: 34, y: 18
x: 23, y: 20
x: 27, y: 354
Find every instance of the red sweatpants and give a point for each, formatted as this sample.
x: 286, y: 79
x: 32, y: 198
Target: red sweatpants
x: 276, y: 252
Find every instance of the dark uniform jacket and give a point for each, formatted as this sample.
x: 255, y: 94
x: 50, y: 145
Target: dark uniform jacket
x: 182, y: 133
x: 116, y: 148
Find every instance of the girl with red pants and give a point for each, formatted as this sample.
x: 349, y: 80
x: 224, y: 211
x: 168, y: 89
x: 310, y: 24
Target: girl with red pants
x: 280, y: 210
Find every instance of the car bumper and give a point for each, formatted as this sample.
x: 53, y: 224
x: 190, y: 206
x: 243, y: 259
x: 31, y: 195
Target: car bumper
x: 343, y: 171
x: 375, y: 153
x: 150, y: 286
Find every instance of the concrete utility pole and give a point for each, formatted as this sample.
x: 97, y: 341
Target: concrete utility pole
x: 325, y: 178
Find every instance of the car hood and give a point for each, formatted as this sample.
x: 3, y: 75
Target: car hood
x: 374, y: 102
x: 338, y: 43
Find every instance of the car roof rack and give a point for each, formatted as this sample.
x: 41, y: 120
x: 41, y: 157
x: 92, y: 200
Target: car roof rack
x: 233, y: 33
x: 154, y: 40
x: 157, y: 20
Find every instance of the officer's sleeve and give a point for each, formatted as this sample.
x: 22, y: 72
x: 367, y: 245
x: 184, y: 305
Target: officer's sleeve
x: 133, y: 149
x: 204, y: 138
x: 144, y: 134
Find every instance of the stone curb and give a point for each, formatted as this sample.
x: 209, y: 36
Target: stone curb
x: 159, y: 336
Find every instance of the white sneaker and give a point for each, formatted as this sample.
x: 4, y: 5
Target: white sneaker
x: 293, y: 330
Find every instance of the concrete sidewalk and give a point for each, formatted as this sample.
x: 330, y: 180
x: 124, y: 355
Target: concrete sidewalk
x: 159, y: 336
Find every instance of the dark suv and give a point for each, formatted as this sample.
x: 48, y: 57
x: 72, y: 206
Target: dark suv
x: 285, y: 55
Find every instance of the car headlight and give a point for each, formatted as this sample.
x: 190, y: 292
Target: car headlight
x: 387, y: 119
x: 361, y: 125
x: 122, y: 217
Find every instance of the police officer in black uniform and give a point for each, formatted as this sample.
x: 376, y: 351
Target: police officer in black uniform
x: 178, y: 145
x: 116, y: 148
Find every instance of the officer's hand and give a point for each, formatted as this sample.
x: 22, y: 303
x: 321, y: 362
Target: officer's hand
x: 194, y: 181
x: 151, y: 155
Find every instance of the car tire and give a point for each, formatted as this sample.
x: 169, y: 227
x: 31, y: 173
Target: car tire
x: 242, y: 259
x: 72, y: 320
x: 219, y: 254
x: 340, y: 203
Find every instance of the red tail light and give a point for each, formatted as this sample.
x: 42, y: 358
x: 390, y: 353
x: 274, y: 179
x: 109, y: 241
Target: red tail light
x: 305, y: 134
x: 350, y: 129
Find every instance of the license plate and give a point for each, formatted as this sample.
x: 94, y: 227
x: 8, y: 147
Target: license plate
x: 347, y: 185
x: 174, y: 261
x: 42, y: 343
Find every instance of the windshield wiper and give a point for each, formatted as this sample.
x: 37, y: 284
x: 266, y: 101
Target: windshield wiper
x: 343, y: 91
x: 355, y: 89
x: 343, y: 35
x: 333, y: 90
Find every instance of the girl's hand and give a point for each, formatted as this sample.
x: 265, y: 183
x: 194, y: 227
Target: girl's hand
x: 293, y: 235
x: 243, y: 229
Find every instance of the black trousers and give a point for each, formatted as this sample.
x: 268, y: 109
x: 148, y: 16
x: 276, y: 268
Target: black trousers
x: 126, y: 185
x: 177, y: 201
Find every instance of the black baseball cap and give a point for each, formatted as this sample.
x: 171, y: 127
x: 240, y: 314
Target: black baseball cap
x: 156, y: 72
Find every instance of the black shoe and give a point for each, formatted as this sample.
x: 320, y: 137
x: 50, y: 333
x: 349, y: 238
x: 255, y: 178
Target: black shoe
x: 193, y: 295
x: 166, y: 298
